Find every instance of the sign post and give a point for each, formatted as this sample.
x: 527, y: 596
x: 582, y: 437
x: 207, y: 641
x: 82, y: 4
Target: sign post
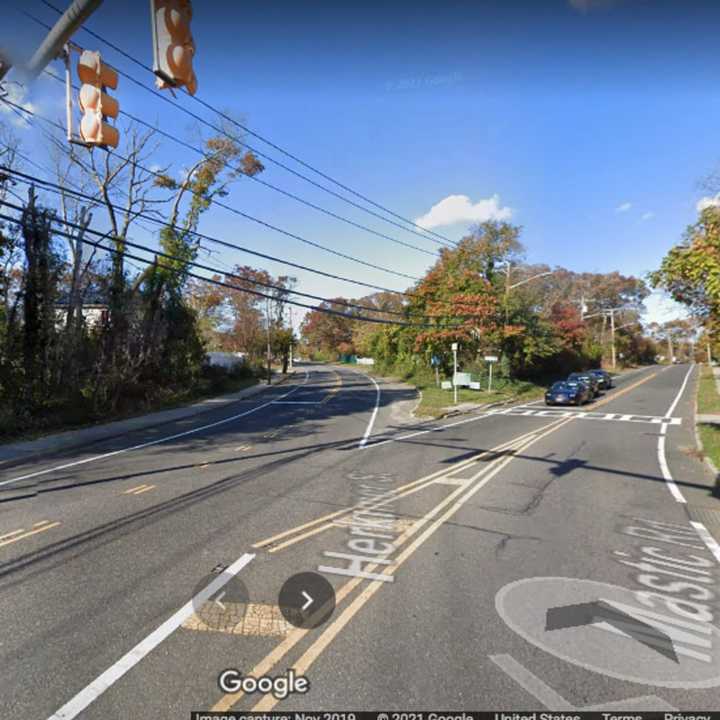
x: 435, y: 362
x: 491, y: 360
x: 455, y: 349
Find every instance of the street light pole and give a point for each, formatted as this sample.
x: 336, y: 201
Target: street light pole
x: 509, y: 287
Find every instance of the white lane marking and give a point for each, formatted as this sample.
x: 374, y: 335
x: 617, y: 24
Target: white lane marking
x: 664, y: 469
x: 542, y: 692
x: 97, y: 687
x: 150, y: 443
x: 435, y: 428
x: 680, y: 392
x: 707, y: 538
x: 369, y: 428
x: 662, y: 459
x: 523, y: 407
x: 531, y: 683
x: 590, y: 415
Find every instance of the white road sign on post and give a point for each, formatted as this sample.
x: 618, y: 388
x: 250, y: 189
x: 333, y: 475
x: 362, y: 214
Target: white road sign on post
x: 490, y: 359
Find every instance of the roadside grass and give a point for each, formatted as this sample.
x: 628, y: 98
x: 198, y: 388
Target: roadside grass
x: 710, y: 437
x: 436, y: 402
x: 75, y: 418
x: 708, y: 400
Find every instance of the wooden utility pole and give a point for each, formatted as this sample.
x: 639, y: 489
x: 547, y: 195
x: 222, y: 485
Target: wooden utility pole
x: 267, y: 313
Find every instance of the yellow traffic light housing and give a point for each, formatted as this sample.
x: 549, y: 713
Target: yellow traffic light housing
x: 96, y: 105
x: 173, y: 45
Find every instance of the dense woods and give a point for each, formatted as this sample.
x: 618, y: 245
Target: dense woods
x: 541, y: 321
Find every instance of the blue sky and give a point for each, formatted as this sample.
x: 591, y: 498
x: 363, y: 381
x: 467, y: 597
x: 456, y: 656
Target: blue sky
x: 591, y: 123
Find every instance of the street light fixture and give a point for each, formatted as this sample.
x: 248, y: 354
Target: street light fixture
x: 509, y: 287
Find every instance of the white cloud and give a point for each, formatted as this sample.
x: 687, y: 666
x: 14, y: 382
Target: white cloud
x: 660, y: 307
x: 16, y: 93
x: 708, y: 201
x: 624, y: 207
x: 648, y: 216
x: 459, y: 208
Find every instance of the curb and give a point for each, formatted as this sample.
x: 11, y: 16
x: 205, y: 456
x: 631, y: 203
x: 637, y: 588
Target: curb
x: 708, y: 462
x: 12, y: 454
x: 485, y: 406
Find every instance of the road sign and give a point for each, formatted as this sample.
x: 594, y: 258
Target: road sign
x: 491, y: 358
x: 454, y: 347
x: 434, y: 360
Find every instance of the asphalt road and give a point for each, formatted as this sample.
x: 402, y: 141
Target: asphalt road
x: 509, y: 559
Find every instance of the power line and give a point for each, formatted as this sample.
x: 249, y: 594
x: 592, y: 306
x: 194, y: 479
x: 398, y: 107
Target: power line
x: 265, y: 183
x: 100, y: 203
x: 201, y: 266
x: 426, y: 234
x: 213, y: 281
x: 235, y: 211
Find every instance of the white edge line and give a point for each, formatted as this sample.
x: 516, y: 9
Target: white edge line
x: 495, y: 411
x: 662, y: 459
x: 98, y: 686
x: 151, y: 442
x: 682, y: 389
x: 707, y: 538
x: 368, y: 429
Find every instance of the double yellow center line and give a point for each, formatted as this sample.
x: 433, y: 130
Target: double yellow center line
x: 22, y: 533
x: 139, y: 490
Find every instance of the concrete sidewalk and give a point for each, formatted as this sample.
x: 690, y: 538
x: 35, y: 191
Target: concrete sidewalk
x: 17, y: 452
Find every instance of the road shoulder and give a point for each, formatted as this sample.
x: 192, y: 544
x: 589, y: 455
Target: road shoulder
x: 12, y: 454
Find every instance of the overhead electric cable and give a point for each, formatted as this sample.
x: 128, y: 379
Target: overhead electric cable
x: 265, y: 183
x: 426, y: 234
x: 101, y: 203
x: 235, y: 211
x: 219, y: 283
x: 201, y: 266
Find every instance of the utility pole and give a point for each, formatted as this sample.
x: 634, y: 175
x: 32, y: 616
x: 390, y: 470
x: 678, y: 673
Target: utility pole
x: 612, y: 333
x: 267, y: 315
x: 52, y: 46
x: 292, y: 332
x: 507, y: 292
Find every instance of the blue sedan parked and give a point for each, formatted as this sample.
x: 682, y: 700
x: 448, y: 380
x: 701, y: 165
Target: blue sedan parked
x: 568, y: 393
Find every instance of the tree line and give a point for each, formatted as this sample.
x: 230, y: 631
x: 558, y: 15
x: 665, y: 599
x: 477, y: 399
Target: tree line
x: 89, y: 331
x: 542, y: 321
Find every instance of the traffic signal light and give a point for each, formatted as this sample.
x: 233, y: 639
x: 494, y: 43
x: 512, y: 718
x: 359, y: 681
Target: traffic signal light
x: 95, y: 103
x: 173, y: 44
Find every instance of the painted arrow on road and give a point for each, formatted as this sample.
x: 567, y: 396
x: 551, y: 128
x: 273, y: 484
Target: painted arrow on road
x: 567, y: 616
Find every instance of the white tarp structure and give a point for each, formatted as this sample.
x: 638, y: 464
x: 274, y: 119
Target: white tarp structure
x: 228, y: 360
